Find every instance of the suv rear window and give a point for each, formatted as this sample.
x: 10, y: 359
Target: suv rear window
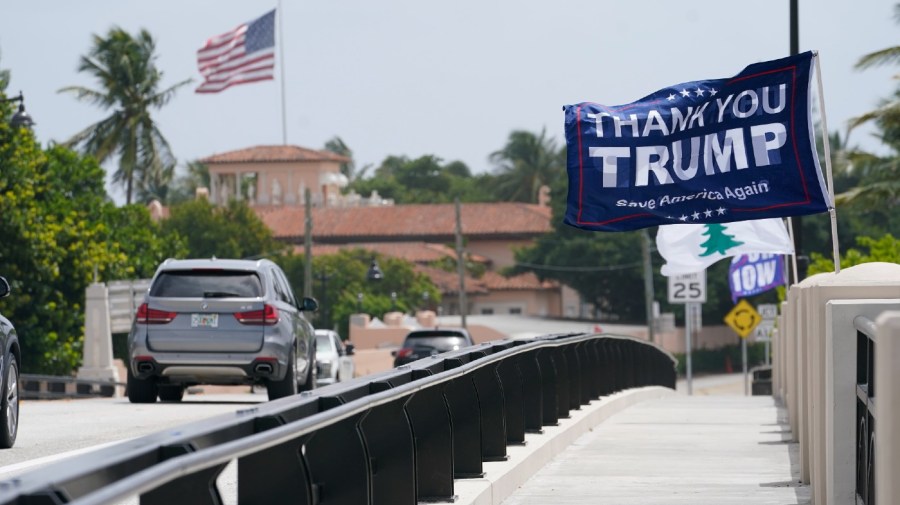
x: 207, y: 284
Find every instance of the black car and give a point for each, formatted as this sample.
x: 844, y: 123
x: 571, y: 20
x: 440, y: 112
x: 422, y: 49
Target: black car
x: 420, y: 344
x: 9, y: 378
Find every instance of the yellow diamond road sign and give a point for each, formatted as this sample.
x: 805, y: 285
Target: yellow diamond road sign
x: 743, y: 318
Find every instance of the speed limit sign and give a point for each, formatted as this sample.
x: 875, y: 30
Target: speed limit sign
x: 688, y: 288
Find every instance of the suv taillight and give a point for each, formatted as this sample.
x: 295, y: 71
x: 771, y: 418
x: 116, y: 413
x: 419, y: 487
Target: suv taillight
x: 265, y: 317
x: 404, y: 352
x: 147, y: 315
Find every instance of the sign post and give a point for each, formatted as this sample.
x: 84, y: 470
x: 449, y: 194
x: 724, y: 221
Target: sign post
x: 763, y: 332
x: 689, y: 289
x: 743, y: 318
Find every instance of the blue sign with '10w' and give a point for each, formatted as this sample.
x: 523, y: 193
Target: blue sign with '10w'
x: 751, y: 274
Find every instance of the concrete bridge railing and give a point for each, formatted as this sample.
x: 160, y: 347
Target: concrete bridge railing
x: 836, y: 340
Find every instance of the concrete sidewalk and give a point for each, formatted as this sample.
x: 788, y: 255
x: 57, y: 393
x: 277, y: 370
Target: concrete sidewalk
x: 678, y: 450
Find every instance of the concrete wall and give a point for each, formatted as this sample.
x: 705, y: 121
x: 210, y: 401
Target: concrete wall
x: 815, y: 373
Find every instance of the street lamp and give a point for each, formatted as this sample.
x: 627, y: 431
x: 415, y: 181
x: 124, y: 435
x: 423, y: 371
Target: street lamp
x: 393, y: 301
x: 359, y: 299
x: 20, y: 118
x: 374, y: 273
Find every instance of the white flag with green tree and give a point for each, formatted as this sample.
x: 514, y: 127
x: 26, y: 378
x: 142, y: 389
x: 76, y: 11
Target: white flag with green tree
x: 689, y: 248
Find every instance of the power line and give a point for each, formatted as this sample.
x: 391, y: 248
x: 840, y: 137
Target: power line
x: 558, y: 268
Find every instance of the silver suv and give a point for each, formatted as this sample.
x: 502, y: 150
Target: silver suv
x: 219, y: 321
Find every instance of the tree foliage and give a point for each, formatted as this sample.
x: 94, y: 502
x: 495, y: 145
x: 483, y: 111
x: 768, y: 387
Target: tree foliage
x: 124, y: 67
x: 426, y: 179
x: 339, y: 279
x: 885, y: 249
x: 527, y: 162
x: 59, y: 230
x: 232, y: 231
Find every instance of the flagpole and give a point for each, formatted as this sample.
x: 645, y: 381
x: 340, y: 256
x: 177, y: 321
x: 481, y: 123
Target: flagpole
x: 827, y: 143
x: 790, y: 227
x: 280, y: 15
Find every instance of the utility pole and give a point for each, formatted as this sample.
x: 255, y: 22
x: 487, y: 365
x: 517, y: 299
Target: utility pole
x: 796, y: 221
x: 307, y: 247
x: 461, y: 265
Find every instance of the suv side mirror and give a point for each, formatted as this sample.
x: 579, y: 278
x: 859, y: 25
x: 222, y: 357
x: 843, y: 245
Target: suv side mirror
x: 4, y: 287
x: 309, y: 305
x: 348, y: 349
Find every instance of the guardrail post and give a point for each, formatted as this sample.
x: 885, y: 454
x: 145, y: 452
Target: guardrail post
x: 573, y: 371
x: 197, y: 488
x: 887, y: 408
x: 563, y: 377
x: 549, y: 389
x: 511, y: 387
x: 493, y: 419
x: 430, y: 419
x: 97, y: 359
x: 465, y: 415
x: 532, y: 391
x: 338, y: 465
x: 282, y: 469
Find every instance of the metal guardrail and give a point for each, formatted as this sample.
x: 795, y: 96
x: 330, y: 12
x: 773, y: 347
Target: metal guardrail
x: 124, y: 299
x: 865, y: 410
x: 51, y: 387
x: 397, y: 437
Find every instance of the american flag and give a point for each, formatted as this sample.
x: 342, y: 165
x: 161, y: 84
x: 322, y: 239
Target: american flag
x: 245, y: 54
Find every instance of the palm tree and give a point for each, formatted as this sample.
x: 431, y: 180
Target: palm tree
x: 879, y: 175
x: 337, y: 146
x: 125, y: 69
x: 526, y: 163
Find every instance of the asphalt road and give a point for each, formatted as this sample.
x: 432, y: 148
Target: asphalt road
x: 52, y: 430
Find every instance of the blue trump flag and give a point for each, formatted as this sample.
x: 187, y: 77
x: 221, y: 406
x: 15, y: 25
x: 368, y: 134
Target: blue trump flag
x: 711, y: 151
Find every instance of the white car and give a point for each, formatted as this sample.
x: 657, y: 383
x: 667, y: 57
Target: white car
x: 334, y: 362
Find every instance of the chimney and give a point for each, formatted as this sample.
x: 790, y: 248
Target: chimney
x: 544, y: 196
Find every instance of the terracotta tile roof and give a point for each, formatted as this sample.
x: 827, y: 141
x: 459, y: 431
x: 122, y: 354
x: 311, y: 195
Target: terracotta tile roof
x: 525, y: 281
x: 414, y: 252
x: 421, y: 222
x: 265, y: 154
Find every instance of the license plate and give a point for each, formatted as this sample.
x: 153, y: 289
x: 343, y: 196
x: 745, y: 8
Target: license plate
x: 204, y: 320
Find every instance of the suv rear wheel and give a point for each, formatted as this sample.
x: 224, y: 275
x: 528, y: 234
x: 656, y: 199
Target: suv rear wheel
x: 311, y: 376
x: 286, y: 386
x: 141, y: 390
x: 171, y: 393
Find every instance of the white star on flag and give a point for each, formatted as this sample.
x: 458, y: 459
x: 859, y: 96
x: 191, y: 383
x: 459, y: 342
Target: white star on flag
x: 699, y: 92
x: 721, y: 211
x: 707, y: 213
x: 695, y: 215
x: 671, y: 97
x: 712, y: 91
x: 685, y: 93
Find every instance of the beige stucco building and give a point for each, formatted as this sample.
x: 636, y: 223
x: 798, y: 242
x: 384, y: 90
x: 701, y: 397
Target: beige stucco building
x: 276, y: 175
x: 274, y: 180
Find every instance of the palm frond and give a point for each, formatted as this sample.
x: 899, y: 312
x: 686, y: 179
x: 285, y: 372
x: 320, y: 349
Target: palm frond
x: 888, y: 56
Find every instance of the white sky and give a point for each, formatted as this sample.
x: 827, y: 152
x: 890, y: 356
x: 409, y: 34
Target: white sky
x: 415, y: 77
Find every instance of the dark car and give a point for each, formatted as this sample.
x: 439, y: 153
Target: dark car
x: 420, y: 344
x: 9, y: 371
x: 220, y: 321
